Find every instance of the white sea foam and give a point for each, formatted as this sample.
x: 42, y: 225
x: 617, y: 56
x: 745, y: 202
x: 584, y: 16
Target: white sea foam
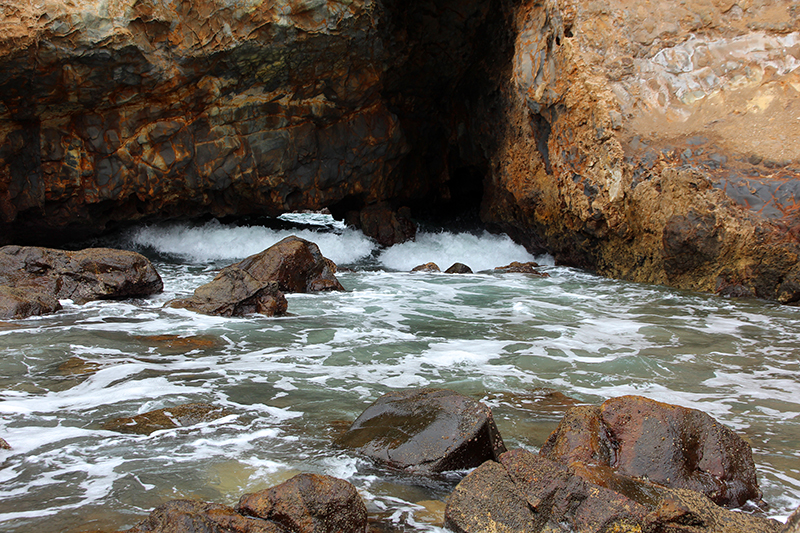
x: 479, y: 252
x: 215, y: 241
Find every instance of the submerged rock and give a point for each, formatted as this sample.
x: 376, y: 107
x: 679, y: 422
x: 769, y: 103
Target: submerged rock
x: 425, y: 431
x: 793, y: 523
x: 33, y: 279
x: 670, y: 445
x: 309, y: 503
x: 167, y: 418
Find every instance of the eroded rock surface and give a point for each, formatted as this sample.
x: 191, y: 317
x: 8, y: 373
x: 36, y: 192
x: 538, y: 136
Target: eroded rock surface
x: 182, y: 516
x: 667, y: 444
x: 425, y: 431
x: 127, y: 110
x: 33, y: 279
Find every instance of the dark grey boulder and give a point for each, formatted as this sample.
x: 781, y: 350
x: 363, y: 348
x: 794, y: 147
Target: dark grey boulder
x: 426, y: 431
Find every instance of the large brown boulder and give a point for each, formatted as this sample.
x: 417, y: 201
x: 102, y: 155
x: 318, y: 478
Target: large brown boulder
x: 257, y: 283
x: 667, y: 444
x: 295, y: 264
x: 35, y: 278
x: 425, y: 431
x: 527, y: 493
x: 309, y: 503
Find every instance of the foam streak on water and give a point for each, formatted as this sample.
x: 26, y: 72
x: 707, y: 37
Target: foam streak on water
x: 289, y: 384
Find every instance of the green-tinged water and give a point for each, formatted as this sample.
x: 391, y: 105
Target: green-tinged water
x: 290, y: 385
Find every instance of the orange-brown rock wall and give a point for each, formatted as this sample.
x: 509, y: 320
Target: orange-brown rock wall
x: 639, y: 140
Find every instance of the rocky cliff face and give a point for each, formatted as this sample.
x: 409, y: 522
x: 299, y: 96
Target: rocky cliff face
x: 113, y: 111
x: 642, y: 139
x: 655, y: 142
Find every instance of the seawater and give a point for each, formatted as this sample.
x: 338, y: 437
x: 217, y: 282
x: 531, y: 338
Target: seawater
x: 528, y: 346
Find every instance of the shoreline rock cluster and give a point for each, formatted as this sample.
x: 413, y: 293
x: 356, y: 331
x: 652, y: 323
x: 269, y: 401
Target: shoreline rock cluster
x: 33, y: 279
x: 572, y: 484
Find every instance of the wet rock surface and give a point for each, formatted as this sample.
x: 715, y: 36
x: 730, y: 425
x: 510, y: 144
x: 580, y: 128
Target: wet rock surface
x: 425, y: 431
x: 458, y: 268
x: 295, y: 264
x: 33, y: 279
x: 184, y: 516
x: 670, y: 445
x: 307, y: 503
x: 525, y: 492
x: 522, y: 268
x: 427, y: 267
